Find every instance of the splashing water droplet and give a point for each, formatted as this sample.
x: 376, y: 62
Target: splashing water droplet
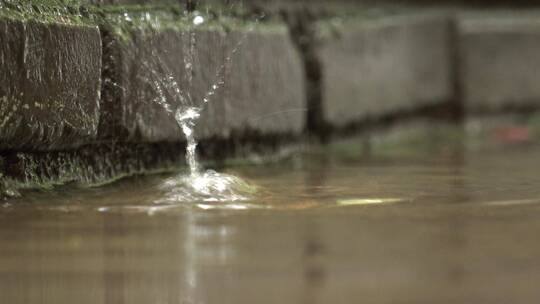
x: 188, y: 115
x: 198, y: 20
x: 198, y: 186
x: 208, y: 186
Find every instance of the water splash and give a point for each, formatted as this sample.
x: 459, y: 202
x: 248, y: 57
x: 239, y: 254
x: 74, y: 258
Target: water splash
x: 186, y: 120
x: 198, y: 20
x: 208, y: 186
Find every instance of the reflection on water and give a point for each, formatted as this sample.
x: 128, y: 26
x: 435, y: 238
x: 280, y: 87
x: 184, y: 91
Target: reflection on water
x: 427, y: 231
x: 368, y: 201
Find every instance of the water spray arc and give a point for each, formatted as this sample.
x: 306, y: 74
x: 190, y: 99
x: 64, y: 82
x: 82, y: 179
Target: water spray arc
x: 198, y: 185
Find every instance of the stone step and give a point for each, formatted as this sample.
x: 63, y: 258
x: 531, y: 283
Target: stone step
x: 499, y: 61
x: 81, y: 77
x: 250, y: 74
x: 377, y: 66
x: 49, y: 84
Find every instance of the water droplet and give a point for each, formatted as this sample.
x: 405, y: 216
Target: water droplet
x: 198, y: 20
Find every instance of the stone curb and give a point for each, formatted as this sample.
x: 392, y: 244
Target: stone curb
x: 500, y: 62
x: 156, y: 72
x: 385, y: 65
x: 50, y: 80
x: 83, y: 81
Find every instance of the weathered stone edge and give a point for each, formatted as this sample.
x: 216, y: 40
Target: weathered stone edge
x: 321, y: 129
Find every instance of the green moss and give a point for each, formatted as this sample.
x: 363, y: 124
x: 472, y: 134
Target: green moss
x: 44, y: 11
x: 125, y: 21
x: 8, y: 189
x: 404, y: 141
x: 419, y: 142
x: 333, y: 24
x: 534, y: 125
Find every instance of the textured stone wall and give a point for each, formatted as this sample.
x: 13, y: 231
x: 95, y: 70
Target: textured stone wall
x: 387, y: 65
x: 500, y: 61
x: 86, y: 75
x: 49, y: 84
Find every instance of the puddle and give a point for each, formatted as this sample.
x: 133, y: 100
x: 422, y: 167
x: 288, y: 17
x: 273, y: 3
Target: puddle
x: 482, y: 181
x: 310, y: 232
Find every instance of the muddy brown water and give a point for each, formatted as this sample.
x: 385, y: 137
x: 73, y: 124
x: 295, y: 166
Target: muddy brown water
x: 431, y: 230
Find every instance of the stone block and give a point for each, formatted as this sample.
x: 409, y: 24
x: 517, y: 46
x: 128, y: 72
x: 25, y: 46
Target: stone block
x: 49, y: 84
x: 500, y: 62
x: 383, y: 65
x: 266, y: 85
x: 256, y: 72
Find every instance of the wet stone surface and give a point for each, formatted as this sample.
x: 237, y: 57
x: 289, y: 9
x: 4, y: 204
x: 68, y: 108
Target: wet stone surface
x: 266, y: 87
x: 144, y: 84
x: 49, y: 84
x: 251, y: 78
x: 383, y: 65
x: 500, y: 61
x: 87, y: 166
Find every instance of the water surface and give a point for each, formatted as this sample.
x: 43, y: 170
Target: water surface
x: 441, y: 229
